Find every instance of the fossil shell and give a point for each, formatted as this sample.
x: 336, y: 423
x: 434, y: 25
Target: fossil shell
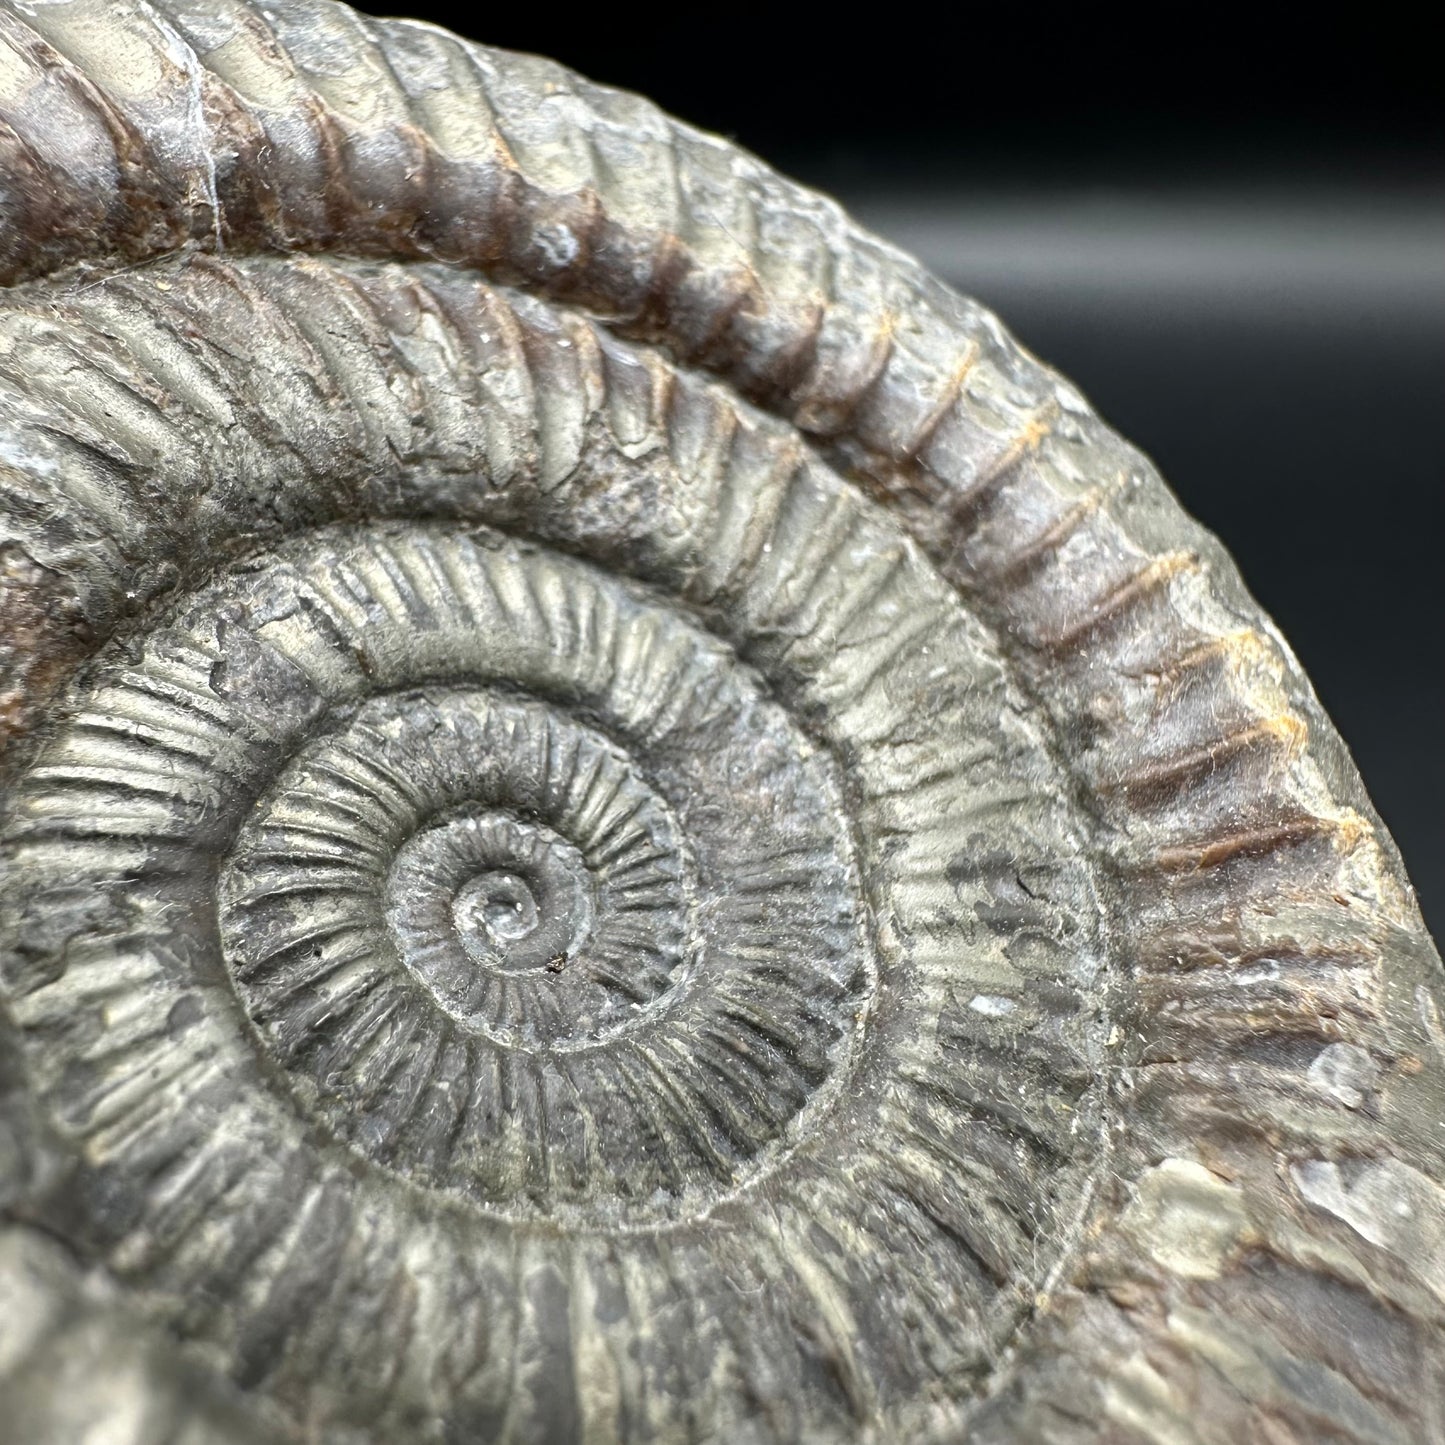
x: 622, y: 822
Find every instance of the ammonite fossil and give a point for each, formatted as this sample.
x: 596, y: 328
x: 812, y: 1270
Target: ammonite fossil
x: 622, y: 822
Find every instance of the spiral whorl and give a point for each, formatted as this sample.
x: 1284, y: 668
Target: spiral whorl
x: 621, y: 822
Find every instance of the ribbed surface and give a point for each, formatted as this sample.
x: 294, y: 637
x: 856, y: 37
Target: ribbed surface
x: 978, y: 603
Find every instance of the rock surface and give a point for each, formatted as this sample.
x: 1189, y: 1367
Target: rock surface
x: 622, y: 822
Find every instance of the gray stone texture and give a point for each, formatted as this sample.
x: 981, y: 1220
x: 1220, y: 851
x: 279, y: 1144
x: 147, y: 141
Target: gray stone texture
x: 622, y: 822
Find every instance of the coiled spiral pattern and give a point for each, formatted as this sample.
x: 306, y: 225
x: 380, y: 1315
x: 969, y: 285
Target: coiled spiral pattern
x: 505, y: 958
x: 541, y: 897
x: 623, y: 823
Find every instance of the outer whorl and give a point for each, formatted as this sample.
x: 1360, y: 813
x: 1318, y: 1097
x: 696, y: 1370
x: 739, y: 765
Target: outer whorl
x: 622, y: 822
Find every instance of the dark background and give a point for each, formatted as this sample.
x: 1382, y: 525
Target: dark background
x: 1227, y: 228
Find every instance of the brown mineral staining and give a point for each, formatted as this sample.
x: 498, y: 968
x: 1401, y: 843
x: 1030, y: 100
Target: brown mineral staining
x: 622, y: 822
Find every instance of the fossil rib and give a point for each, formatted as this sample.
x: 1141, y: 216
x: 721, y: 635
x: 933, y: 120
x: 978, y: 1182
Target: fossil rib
x: 622, y: 822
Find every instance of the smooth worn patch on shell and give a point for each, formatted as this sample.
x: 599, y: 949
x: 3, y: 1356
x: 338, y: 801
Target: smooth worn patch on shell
x: 622, y: 822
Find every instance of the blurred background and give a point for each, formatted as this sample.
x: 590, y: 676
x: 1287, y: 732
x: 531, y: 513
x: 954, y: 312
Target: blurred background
x: 1228, y: 229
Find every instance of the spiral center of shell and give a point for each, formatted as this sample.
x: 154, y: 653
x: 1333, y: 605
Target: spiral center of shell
x: 566, y: 920
x: 498, y: 907
x: 512, y: 893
